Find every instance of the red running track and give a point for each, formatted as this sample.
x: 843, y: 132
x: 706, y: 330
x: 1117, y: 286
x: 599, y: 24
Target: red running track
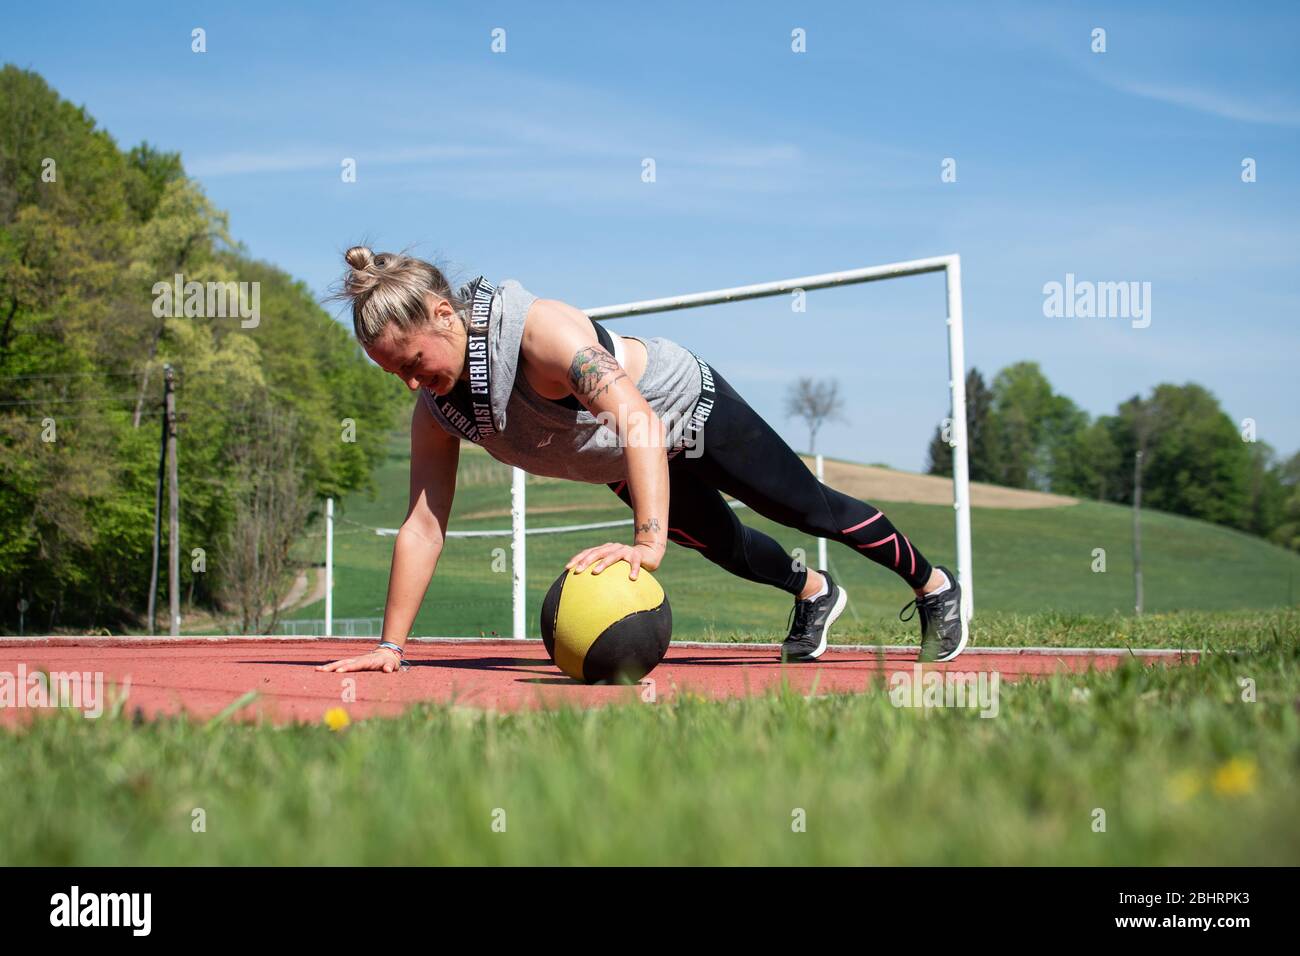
x: 203, y: 676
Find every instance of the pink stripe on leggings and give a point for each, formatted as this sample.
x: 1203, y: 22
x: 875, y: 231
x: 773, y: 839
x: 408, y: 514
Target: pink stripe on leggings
x: 894, y: 538
x: 689, y: 540
x: 863, y: 524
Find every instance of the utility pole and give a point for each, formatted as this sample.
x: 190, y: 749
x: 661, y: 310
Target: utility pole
x: 174, y: 571
x: 157, y: 529
x: 1137, y: 532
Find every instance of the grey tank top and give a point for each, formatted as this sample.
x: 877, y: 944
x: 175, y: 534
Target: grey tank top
x: 560, y: 438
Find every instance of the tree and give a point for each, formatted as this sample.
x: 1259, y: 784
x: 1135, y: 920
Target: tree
x: 1265, y: 493
x: 271, y: 502
x: 1087, y: 463
x: 1034, y: 425
x: 1020, y: 433
x: 157, y: 169
x: 179, y: 239
x: 1287, y: 533
x: 982, y: 439
x: 816, y: 402
x: 1195, y: 462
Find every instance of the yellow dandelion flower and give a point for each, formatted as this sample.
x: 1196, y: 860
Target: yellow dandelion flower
x: 336, y: 718
x: 1235, y: 778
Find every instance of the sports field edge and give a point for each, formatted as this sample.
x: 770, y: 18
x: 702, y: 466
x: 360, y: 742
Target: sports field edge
x: 145, y: 640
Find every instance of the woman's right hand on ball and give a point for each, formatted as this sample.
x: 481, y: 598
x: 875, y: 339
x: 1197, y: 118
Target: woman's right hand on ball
x: 380, y: 659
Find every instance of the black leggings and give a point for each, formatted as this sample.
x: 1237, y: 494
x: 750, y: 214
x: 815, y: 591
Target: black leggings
x: 737, y: 452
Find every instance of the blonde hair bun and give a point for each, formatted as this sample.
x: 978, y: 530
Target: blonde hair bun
x: 359, y: 257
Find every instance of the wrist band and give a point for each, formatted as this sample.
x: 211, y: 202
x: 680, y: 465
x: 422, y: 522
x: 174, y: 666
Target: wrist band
x: 395, y: 648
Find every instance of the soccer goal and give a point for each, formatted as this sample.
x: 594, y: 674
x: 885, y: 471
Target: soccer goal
x: 949, y: 265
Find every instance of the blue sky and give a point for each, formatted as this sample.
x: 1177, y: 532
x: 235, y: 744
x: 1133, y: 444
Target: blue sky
x: 1115, y: 166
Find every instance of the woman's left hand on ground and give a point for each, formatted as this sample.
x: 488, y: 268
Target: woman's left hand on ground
x: 602, y: 556
x: 380, y: 659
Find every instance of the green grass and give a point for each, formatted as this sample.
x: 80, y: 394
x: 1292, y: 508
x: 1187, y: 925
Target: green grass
x: 1184, y: 769
x: 1027, y: 561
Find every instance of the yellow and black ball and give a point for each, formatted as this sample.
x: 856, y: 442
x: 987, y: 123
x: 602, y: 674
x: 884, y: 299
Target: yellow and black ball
x: 606, y: 628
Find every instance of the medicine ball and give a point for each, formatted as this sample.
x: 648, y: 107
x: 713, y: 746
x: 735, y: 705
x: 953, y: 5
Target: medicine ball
x: 606, y: 628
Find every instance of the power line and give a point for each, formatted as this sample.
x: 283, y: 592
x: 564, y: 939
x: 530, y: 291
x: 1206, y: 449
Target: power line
x: 144, y: 412
x: 47, y: 375
x: 73, y: 401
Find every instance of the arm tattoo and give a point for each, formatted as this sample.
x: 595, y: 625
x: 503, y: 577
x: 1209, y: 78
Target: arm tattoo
x: 593, y: 372
x: 651, y: 525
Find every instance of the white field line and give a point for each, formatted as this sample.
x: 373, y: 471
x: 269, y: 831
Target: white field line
x: 98, y: 641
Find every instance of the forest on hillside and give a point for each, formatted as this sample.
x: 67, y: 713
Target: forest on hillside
x: 275, y: 412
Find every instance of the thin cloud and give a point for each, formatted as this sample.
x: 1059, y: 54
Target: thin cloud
x: 1223, y: 105
x: 301, y: 159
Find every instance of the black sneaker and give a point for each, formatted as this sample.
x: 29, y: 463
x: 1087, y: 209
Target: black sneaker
x: 943, y: 630
x: 812, y: 623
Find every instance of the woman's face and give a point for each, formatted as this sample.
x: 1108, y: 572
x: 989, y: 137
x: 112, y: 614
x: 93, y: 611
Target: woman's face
x: 432, y: 355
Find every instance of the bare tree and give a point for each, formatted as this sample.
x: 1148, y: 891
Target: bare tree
x: 271, y: 505
x: 816, y: 402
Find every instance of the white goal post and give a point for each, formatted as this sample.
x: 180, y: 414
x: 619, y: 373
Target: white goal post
x: 949, y: 265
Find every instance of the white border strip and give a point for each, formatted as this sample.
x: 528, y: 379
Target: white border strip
x: 145, y: 639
